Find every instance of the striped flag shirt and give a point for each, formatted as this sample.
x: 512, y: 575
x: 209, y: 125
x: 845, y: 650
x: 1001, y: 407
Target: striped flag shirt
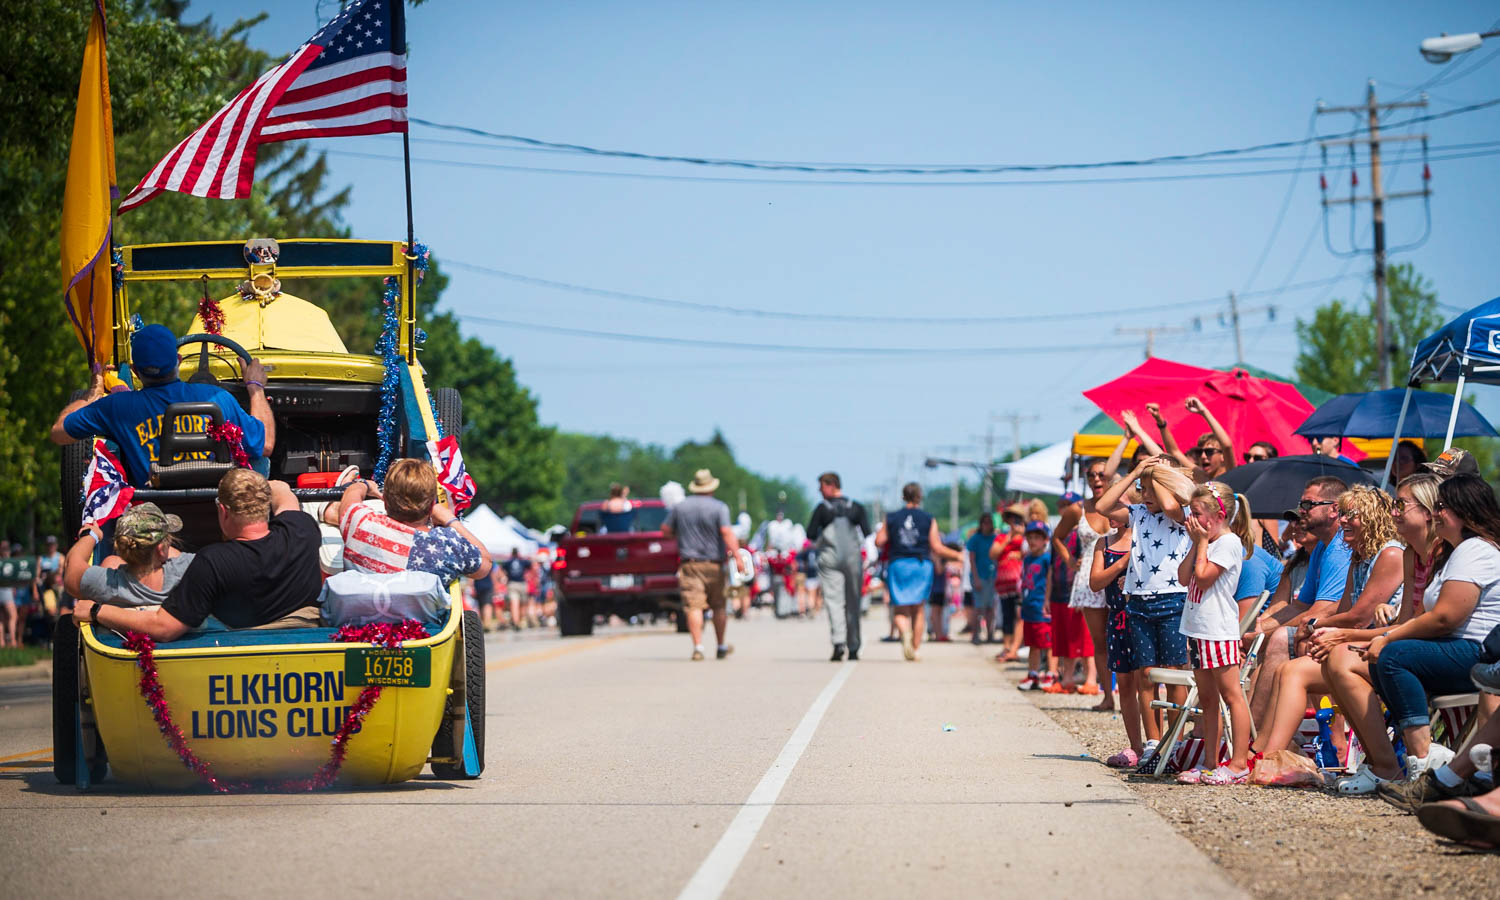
x: 348, y: 79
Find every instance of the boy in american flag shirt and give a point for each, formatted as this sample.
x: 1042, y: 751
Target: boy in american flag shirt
x: 414, y: 533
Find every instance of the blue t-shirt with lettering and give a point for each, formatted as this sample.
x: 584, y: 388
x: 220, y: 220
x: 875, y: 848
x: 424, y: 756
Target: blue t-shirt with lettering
x: 1034, y: 587
x: 133, y: 421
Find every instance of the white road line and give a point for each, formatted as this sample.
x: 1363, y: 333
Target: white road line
x: 709, y: 882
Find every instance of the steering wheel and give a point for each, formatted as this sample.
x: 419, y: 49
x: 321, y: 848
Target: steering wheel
x: 203, y: 375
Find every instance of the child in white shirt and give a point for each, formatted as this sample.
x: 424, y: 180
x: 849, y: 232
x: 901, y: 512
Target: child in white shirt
x: 1218, y: 523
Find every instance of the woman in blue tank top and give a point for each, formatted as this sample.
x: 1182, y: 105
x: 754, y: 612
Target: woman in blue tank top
x: 911, y: 541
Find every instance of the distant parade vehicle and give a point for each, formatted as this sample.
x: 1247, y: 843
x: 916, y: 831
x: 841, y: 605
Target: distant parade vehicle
x: 260, y: 706
x: 616, y: 563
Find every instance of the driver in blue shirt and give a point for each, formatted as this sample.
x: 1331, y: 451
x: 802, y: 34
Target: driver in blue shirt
x: 132, y: 420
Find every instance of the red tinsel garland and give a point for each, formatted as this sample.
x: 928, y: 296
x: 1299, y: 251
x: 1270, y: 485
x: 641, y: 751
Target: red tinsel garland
x: 212, y: 315
x: 231, y: 434
x: 381, y: 635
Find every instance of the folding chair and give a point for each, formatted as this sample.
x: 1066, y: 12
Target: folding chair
x: 1182, y: 713
x: 1455, y: 717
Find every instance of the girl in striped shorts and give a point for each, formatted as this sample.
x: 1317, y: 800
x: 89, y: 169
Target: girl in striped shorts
x: 1218, y: 522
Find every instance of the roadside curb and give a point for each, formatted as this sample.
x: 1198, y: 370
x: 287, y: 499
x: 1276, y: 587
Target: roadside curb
x: 37, y: 671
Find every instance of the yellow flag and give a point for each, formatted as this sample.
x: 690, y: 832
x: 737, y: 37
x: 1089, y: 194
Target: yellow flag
x: 88, y: 201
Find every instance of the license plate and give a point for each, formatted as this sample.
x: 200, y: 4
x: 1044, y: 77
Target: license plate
x: 621, y: 582
x: 400, y: 667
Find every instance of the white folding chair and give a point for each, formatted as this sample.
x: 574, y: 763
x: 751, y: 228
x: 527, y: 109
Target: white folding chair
x: 1181, y: 714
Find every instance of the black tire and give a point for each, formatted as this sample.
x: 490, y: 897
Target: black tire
x: 574, y: 618
x: 448, y: 406
x: 75, y: 464
x: 474, y: 673
x: 65, y: 701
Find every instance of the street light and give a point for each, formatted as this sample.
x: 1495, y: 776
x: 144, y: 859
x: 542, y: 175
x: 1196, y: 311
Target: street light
x: 1444, y: 47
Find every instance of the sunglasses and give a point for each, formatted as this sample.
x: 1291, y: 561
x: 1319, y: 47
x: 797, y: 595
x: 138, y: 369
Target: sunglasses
x: 1308, y: 505
x: 1255, y: 457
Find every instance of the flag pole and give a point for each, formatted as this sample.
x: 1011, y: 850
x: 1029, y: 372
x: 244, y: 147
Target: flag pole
x: 411, y: 236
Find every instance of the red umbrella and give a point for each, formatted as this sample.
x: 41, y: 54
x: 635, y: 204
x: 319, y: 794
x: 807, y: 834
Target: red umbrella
x: 1251, y: 409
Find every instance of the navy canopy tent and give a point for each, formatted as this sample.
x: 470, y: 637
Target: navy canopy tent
x: 1467, y: 349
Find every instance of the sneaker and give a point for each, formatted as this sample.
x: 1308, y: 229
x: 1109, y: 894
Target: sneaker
x: 1225, y: 775
x: 697, y: 656
x: 1029, y: 683
x: 1058, y: 688
x: 1407, y: 796
x: 1362, y: 782
x: 1192, y: 776
x: 1486, y: 677
x: 1437, y: 755
x: 854, y: 656
x: 1125, y: 759
x: 1048, y: 678
x: 725, y: 651
x: 838, y: 653
x: 908, y: 648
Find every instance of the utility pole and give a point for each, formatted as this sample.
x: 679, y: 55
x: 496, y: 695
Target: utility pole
x: 953, y: 497
x: 1371, y: 109
x: 1234, y: 321
x: 1150, y: 334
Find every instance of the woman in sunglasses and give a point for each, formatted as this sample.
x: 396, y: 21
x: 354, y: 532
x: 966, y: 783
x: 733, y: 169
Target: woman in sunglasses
x: 1268, y: 530
x: 1431, y: 653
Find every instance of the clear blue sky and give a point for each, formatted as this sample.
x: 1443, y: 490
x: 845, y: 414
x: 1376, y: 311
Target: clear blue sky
x: 936, y: 82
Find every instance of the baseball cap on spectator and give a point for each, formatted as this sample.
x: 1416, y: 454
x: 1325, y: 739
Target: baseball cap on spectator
x: 153, y: 353
x: 1453, y: 461
x: 147, y: 524
x: 1071, y: 497
x: 1037, y: 528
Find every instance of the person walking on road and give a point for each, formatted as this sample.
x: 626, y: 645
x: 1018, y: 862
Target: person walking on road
x: 705, y: 539
x: 838, y: 528
x: 982, y: 572
x: 515, y: 587
x: 911, y: 536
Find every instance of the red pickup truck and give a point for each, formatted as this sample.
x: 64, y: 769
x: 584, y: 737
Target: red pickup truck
x: 615, y: 563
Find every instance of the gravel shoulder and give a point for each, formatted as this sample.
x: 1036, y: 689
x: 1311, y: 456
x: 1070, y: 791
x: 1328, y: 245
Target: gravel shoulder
x: 1275, y: 842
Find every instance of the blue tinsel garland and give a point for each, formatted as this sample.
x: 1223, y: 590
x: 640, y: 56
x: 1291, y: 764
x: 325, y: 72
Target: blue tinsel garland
x: 388, y: 346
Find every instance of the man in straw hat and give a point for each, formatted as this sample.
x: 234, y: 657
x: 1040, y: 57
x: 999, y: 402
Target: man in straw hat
x: 700, y: 523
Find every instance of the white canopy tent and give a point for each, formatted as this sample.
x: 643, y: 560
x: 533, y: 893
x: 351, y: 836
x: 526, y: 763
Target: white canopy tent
x: 498, y: 535
x: 1042, y: 472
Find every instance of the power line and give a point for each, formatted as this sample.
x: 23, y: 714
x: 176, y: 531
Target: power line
x: 888, y: 169
x: 841, y: 350
x: 848, y: 317
x: 832, y: 182
x: 1286, y: 202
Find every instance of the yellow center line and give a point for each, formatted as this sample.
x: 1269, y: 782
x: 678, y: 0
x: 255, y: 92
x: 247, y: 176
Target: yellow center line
x: 26, y: 754
x: 555, y: 652
x: 39, y: 761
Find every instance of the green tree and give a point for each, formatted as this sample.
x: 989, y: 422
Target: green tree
x: 593, y: 462
x: 1336, y: 349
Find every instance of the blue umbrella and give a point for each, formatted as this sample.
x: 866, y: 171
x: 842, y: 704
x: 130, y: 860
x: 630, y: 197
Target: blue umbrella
x: 1373, y: 414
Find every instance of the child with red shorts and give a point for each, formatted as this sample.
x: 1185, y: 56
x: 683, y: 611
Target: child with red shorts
x: 1071, y: 643
x: 1036, y: 628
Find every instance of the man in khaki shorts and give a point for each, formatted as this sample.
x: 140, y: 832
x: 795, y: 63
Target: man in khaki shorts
x: 705, y: 539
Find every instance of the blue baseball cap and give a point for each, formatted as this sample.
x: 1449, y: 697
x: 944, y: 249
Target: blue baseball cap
x: 1072, y: 497
x: 1037, y: 528
x: 153, y: 353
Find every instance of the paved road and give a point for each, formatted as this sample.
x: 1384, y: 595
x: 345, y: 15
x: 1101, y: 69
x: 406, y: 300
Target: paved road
x: 616, y: 767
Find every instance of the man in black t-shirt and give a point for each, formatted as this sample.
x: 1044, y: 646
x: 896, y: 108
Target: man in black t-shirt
x: 264, y: 574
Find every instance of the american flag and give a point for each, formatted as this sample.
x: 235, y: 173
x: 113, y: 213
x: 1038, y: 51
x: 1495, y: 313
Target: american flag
x: 452, y: 475
x: 106, y: 494
x: 349, y: 78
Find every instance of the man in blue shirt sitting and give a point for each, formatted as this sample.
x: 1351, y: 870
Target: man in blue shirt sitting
x: 133, y: 419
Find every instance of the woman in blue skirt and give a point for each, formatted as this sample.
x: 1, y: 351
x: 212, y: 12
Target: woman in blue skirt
x: 912, y: 543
